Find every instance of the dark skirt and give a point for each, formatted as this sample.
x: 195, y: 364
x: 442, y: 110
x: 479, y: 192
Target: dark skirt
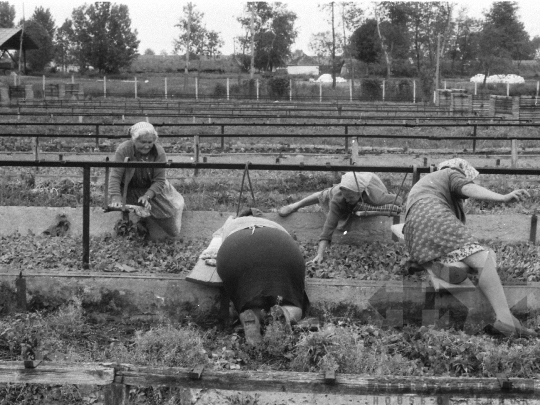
x: 261, y: 265
x: 432, y: 231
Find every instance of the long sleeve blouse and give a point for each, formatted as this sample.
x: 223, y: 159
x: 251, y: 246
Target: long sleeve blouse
x: 338, y: 209
x: 155, y: 176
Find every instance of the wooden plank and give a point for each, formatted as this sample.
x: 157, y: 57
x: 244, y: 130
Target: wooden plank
x: 203, y: 273
x: 350, y: 384
x: 56, y: 373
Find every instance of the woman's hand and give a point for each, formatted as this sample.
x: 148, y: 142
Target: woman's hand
x: 316, y: 260
x: 144, y: 201
x: 116, y: 201
x: 516, y: 195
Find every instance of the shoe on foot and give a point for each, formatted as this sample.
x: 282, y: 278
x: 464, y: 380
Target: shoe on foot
x: 252, y: 327
x: 517, y: 330
x: 281, y: 316
x: 286, y: 211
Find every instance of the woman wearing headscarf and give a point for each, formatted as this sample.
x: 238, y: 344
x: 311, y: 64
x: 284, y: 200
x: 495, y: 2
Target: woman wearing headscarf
x: 146, y: 187
x: 436, y: 235
x: 263, y: 273
x: 340, y: 201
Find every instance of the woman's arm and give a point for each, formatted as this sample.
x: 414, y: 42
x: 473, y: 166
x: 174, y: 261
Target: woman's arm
x: 481, y: 193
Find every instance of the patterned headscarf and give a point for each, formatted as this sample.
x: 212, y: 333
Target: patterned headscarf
x: 141, y: 128
x: 470, y: 172
x: 357, y: 184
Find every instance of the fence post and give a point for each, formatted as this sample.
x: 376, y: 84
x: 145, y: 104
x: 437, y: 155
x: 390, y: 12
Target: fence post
x: 196, y: 151
x: 257, y: 89
x: 135, y: 81
x: 222, y: 137
x: 445, y: 84
x: 537, y: 88
x: 44, y: 87
x: 475, y: 88
x: 290, y: 89
x: 414, y: 92
x: 227, y: 88
x: 534, y: 225
x: 320, y: 92
x: 72, y: 79
x: 474, y: 140
x: 383, y: 89
x: 514, y: 153
x: 415, y: 175
x: 350, y: 90
x: 104, y: 86
x: 165, y: 87
x: 86, y: 217
x: 507, y: 89
x: 106, y: 186
x: 36, y: 148
x: 116, y: 394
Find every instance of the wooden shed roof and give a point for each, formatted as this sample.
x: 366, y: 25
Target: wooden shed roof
x: 10, y: 38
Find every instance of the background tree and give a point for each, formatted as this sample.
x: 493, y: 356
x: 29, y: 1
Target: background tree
x: 149, y: 51
x: 65, y: 50
x: 274, y: 34
x: 7, y: 15
x: 535, y: 42
x: 321, y: 44
x: 41, y: 28
x: 201, y: 40
x: 365, y: 43
x: 101, y: 36
x: 463, y: 43
x: 503, y: 38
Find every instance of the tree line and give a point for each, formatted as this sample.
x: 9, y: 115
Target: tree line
x: 389, y: 38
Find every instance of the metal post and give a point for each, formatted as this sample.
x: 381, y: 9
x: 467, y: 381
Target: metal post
x: 86, y: 217
x: 350, y: 90
x: 258, y: 90
x: 414, y: 92
x: 534, y: 225
x: 415, y: 175
x: 196, y: 151
x: 320, y: 92
x: 135, y: 82
x: 106, y: 187
x: 227, y: 88
x: 474, y: 140
x: 383, y: 89
x: 104, y: 86
x: 165, y: 87
x: 222, y: 137
x: 196, y: 88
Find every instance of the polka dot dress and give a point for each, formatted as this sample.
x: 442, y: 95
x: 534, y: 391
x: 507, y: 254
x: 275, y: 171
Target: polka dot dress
x: 432, y: 232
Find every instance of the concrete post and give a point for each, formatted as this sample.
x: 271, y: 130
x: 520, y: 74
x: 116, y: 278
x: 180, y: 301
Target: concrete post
x: 4, y: 96
x: 29, y: 92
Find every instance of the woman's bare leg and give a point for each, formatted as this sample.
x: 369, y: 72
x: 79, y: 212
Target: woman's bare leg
x: 309, y: 200
x: 485, y: 263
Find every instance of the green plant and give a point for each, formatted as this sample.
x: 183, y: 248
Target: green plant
x: 278, y: 87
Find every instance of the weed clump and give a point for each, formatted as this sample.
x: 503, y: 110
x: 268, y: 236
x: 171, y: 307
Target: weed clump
x: 164, y: 346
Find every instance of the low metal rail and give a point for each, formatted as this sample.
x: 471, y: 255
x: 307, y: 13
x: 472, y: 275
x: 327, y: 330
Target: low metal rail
x: 86, y: 166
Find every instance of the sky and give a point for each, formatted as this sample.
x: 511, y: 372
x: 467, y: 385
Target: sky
x: 155, y: 19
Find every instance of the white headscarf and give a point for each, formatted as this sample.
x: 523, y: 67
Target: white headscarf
x: 141, y: 128
x: 357, y: 184
x: 470, y: 172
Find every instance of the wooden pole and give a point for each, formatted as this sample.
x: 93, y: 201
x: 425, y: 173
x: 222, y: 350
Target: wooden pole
x: 514, y: 153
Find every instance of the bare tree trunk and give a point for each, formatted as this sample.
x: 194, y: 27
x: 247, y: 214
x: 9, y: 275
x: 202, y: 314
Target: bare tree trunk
x: 333, y: 49
x: 251, y: 23
x: 383, y: 45
x: 351, y: 73
x: 186, y: 69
